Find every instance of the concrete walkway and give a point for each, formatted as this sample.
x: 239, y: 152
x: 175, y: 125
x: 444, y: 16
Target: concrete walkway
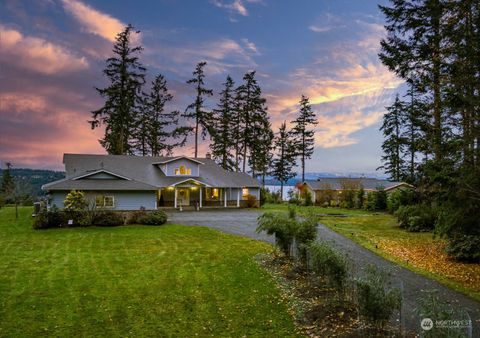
x: 244, y: 223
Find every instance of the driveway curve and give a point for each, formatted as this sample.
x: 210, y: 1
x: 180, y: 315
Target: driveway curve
x: 244, y: 223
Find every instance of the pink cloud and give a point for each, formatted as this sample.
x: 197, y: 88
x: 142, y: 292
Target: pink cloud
x: 94, y: 21
x: 38, y: 54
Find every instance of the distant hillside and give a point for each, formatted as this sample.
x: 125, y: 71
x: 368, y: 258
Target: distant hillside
x: 315, y: 175
x: 33, y: 179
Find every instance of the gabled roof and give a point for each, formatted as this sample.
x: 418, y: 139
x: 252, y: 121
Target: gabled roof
x: 338, y: 183
x: 101, y: 171
x: 173, y: 159
x: 188, y: 179
x: 142, y: 173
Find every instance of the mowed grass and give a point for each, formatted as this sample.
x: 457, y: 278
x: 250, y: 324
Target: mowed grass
x: 167, y: 281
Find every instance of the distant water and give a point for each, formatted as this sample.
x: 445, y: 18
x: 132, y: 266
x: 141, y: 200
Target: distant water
x: 275, y: 188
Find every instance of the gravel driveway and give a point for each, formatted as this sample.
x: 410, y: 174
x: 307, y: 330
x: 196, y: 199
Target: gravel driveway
x: 244, y: 223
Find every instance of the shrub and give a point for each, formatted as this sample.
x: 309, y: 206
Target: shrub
x: 265, y: 196
x: 400, y: 198
x: 308, y: 198
x: 330, y: 263
x: 107, y: 218
x: 431, y: 306
x: 377, y: 300
x: 306, y: 232
x: 348, y: 199
x: 153, y: 218
x: 251, y: 201
x: 360, y: 198
x: 414, y: 218
x: 370, y: 202
x: 380, y: 199
x: 75, y: 201
x: 464, y: 247
x: 79, y: 218
x: 134, y: 217
x: 2, y: 200
x: 49, y: 219
x: 280, y: 225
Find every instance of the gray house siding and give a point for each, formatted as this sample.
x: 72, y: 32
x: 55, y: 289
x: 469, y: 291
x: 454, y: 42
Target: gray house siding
x: 123, y: 200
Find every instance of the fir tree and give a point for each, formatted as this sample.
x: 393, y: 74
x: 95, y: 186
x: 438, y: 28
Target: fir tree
x: 126, y: 76
x: 415, y: 46
x: 304, y: 133
x: 252, y: 116
x: 224, y: 125
x: 161, y: 130
x: 393, y: 144
x: 284, y: 161
x: 196, y: 110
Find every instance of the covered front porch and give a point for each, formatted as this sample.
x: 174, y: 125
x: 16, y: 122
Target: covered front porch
x: 193, y: 193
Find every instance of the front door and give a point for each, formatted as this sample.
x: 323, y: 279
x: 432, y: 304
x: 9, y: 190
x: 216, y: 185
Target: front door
x: 184, y: 196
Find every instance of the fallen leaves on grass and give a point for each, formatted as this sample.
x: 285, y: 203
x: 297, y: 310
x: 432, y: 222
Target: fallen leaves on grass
x: 430, y: 255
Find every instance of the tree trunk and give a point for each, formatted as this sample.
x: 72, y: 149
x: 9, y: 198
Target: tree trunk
x: 196, y: 137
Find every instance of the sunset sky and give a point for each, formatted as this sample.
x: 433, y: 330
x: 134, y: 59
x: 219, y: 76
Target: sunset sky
x: 52, y: 53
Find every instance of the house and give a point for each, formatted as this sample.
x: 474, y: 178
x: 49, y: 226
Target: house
x: 122, y: 182
x: 328, y: 189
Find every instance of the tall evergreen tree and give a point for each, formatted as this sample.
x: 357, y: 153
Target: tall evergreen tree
x: 411, y: 133
x: 126, y: 76
x: 393, y: 144
x: 196, y: 110
x: 253, y: 118
x: 237, y: 130
x: 436, y: 42
x: 284, y: 161
x: 304, y: 133
x: 223, y: 127
x: 160, y: 128
x: 261, y: 150
x: 415, y: 45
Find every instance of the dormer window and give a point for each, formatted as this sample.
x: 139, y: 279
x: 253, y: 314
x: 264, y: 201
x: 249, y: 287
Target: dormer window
x: 183, y: 170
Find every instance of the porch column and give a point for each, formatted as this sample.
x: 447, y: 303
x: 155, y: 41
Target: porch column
x: 238, y: 197
x: 200, y: 205
x: 225, y: 199
x: 175, y: 199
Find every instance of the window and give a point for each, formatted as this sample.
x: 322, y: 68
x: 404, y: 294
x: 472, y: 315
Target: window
x: 104, y: 201
x: 244, y: 192
x: 212, y: 194
x: 183, y: 170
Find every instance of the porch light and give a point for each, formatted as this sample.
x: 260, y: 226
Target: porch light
x: 193, y: 188
x: 170, y: 188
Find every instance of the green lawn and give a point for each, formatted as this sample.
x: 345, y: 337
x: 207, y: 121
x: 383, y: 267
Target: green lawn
x: 134, y: 281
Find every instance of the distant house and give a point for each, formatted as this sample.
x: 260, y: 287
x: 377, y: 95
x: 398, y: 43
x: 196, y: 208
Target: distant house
x: 122, y: 182
x: 327, y: 189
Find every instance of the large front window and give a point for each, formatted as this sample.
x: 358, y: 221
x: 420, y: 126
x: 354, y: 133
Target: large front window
x: 183, y: 170
x: 212, y: 194
x: 102, y: 201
